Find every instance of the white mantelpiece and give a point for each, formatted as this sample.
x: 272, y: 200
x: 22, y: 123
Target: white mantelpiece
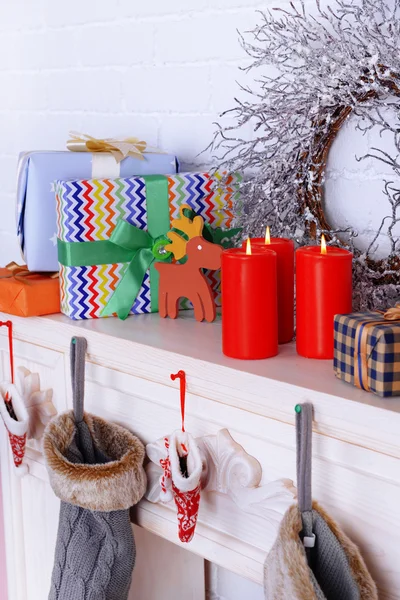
x: 356, y: 470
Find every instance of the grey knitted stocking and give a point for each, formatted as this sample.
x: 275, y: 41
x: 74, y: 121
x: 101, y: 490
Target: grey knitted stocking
x: 95, y: 550
x: 330, y: 572
x: 95, y: 555
x: 303, y: 567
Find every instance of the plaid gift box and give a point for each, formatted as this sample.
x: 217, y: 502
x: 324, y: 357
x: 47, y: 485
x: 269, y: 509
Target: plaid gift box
x: 367, y: 352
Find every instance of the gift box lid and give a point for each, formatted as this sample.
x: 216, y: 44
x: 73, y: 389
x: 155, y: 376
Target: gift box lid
x: 36, y: 205
x: 346, y: 329
x: 127, y: 198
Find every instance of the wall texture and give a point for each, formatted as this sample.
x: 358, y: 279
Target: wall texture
x: 158, y: 69
x: 161, y: 69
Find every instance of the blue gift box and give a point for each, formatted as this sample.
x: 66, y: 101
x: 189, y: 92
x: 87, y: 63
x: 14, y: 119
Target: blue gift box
x: 36, y: 203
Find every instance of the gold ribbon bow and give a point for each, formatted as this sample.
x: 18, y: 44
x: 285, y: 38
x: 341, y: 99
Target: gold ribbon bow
x: 393, y: 314
x: 22, y: 273
x: 120, y: 149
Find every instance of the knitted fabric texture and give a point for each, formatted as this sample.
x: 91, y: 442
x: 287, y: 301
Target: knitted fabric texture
x: 95, y: 555
x: 179, y: 458
x: 96, y: 468
x: 337, y: 569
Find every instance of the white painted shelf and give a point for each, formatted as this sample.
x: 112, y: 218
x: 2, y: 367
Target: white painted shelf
x: 202, y: 341
x: 356, y: 455
x: 269, y: 387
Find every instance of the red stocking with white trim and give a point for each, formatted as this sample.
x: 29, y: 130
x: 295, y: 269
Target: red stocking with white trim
x: 13, y: 412
x: 186, y: 468
x: 180, y: 460
x: 15, y: 418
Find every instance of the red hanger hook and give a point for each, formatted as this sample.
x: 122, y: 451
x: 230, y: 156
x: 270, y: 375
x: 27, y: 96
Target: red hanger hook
x: 181, y: 375
x: 9, y: 326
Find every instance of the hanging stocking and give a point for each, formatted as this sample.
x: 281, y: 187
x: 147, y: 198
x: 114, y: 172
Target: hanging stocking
x: 180, y: 460
x: 186, y: 467
x: 96, y: 469
x: 14, y: 413
x: 312, y: 558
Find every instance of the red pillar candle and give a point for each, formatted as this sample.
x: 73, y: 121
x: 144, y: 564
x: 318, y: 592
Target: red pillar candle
x: 323, y: 289
x: 249, y: 303
x: 284, y: 249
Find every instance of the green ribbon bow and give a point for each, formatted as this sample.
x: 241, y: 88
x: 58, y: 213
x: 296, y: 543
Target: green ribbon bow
x: 127, y: 244
x: 144, y: 250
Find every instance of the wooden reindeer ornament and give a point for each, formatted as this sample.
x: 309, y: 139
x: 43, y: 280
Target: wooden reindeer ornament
x: 187, y: 280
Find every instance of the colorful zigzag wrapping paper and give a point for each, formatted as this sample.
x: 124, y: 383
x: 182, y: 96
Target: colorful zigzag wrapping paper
x: 89, y: 210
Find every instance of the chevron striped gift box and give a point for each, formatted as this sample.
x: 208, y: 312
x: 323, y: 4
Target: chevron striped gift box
x: 89, y: 210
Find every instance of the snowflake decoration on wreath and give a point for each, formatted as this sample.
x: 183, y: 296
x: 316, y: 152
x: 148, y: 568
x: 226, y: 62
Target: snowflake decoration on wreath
x: 340, y: 61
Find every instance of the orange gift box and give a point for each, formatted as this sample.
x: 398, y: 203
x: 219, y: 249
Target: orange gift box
x: 28, y: 294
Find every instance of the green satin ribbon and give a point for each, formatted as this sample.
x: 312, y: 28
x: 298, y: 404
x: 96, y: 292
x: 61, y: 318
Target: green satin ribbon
x: 140, y: 245
x: 128, y: 244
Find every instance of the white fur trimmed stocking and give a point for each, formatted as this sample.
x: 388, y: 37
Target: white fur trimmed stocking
x: 16, y: 421
x: 179, y: 457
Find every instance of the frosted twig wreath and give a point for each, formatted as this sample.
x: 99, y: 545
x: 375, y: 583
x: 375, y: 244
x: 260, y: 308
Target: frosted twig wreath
x: 342, y: 60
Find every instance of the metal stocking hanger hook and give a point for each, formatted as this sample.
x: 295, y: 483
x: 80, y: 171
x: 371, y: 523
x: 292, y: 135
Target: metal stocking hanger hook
x: 304, y: 421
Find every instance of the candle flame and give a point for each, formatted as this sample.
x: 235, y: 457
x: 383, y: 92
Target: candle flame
x: 267, y: 235
x: 323, y: 245
x: 248, y: 246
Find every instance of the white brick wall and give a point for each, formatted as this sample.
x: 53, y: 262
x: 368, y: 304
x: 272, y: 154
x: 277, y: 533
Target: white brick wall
x: 161, y: 69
